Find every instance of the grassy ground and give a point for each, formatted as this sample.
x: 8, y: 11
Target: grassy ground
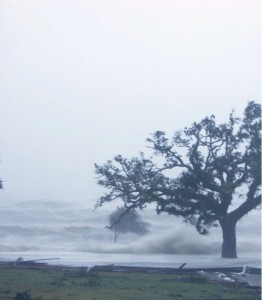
x: 47, y: 284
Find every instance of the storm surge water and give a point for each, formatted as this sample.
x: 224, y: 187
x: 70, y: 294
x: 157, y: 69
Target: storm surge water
x: 77, y: 235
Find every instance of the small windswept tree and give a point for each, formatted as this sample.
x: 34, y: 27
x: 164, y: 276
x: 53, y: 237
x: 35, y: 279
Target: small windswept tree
x: 123, y: 221
x: 210, y: 175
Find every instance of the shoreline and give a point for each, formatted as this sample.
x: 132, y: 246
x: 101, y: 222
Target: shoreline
x: 184, y: 268
x: 250, y: 277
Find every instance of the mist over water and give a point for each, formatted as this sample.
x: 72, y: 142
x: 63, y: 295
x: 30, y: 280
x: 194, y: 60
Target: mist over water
x: 83, y: 83
x: 73, y: 227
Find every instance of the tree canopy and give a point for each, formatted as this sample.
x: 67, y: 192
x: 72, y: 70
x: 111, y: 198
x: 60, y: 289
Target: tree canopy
x: 122, y: 221
x: 208, y: 174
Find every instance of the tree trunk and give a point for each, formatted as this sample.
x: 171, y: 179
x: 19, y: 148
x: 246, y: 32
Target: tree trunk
x: 229, y: 246
x: 116, y: 235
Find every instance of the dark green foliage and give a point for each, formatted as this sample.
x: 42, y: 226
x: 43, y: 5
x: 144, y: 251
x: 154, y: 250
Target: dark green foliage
x: 94, y: 280
x: 82, y: 272
x: 195, y: 279
x: 23, y: 296
x: 87, y: 277
x: 202, y: 170
x: 123, y: 220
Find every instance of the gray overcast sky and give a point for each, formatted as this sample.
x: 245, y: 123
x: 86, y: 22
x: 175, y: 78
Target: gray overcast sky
x: 82, y: 81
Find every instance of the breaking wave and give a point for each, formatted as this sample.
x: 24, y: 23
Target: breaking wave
x: 42, y: 226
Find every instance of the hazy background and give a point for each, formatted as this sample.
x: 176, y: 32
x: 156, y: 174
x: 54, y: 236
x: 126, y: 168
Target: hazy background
x: 82, y: 81
x: 72, y: 227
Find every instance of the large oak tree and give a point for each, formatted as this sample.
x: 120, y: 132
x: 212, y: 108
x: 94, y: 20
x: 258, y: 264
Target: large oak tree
x: 208, y: 174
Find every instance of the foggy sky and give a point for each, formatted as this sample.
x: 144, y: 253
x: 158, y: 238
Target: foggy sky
x: 82, y: 81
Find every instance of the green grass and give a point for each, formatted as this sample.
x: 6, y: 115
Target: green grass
x: 47, y: 284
